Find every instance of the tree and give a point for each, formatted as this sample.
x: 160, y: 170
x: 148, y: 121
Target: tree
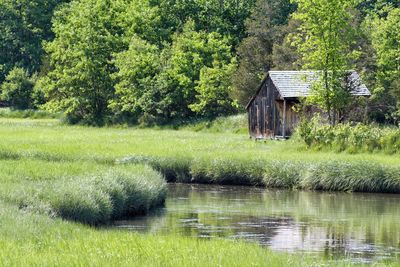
x: 223, y: 16
x: 325, y: 41
x: 284, y: 55
x: 213, y: 91
x: 385, y: 37
x: 87, y: 34
x: 263, y: 28
x: 138, y: 67
x: 190, y: 53
x: 17, y: 89
x: 24, y: 25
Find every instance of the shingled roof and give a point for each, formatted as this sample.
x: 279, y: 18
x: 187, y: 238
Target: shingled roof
x: 294, y: 84
x: 298, y: 83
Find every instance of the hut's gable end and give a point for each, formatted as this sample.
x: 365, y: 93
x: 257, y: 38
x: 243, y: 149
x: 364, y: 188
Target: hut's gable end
x: 262, y: 111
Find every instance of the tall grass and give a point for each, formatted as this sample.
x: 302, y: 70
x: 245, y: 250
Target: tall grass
x: 350, y: 176
x: 358, y: 138
x: 233, y: 124
x: 28, y: 114
x: 86, y: 192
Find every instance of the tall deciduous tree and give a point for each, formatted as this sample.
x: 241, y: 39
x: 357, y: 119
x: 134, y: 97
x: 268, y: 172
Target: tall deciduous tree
x: 385, y: 36
x: 263, y: 27
x: 325, y: 41
x: 138, y: 68
x: 191, y: 53
x: 87, y: 33
x: 213, y: 90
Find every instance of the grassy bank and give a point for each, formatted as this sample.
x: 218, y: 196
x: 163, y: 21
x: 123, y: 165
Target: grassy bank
x: 84, y: 192
x: 327, y: 175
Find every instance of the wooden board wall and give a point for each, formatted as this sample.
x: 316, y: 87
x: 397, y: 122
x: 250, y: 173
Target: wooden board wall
x: 265, y: 113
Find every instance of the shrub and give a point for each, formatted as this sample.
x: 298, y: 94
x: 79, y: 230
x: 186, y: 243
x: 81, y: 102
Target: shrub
x: 351, y: 138
x: 17, y: 89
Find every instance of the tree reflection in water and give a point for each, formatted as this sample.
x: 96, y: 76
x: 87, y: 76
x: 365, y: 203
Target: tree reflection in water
x: 361, y: 227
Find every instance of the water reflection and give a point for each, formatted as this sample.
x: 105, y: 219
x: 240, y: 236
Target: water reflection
x: 363, y: 227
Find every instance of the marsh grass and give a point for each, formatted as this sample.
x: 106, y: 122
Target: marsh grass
x: 201, y: 157
x: 332, y: 175
x: 83, y: 192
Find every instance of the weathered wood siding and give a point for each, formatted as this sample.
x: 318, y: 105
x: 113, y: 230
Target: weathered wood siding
x: 292, y: 118
x: 265, y: 113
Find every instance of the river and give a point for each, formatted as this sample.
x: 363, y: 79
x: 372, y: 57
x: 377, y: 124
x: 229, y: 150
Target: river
x: 358, y: 227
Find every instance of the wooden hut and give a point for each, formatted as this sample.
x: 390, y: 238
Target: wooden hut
x: 270, y: 110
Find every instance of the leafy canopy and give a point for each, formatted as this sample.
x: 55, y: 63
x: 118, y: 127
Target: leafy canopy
x: 324, y: 41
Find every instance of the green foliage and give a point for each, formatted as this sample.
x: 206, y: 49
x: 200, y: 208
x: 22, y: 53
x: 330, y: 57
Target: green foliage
x: 325, y: 44
x: 87, y: 34
x: 149, y: 81
x: 191, y: 53
x: 192, y: 76
x: 226, y: 17
x: 214, y: 90
x: 386, y: 41
x: 266, y: 21
x: 17, y: 90
x: 137, y: 69
x: 24, y: 25
x: 346, y: 137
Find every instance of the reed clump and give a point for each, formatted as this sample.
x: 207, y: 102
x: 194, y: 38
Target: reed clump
x: 95, y: 196
x: 326, y: 175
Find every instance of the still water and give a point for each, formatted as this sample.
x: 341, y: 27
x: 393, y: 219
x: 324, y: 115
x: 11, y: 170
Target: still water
x: 359, y: 227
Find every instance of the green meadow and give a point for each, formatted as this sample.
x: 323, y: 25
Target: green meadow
x: 203, y: 154
x: 60, y: 183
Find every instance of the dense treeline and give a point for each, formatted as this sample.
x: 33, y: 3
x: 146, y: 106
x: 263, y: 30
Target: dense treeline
x: 154, y: 61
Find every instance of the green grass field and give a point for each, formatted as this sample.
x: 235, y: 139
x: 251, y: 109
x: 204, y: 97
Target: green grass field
x: 209, y: 156
x: 53, y: 175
